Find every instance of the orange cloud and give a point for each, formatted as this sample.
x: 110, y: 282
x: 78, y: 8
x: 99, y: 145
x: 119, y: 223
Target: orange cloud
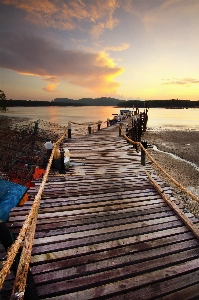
x: 102, y: 77
x: 184, y: 81
x: 51, y: 87
x: 66, y: 15
x: 51, y: 79
x: 91, y: 70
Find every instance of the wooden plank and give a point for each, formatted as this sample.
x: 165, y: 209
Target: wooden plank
x: 80, y: 247
x: 133, y: 227
x: 77, y: 216
x: 154, y: 248
x: 183, y: 287
x: 69, y: 227
x: 120, y: 266
x: 182, y: 216
x: 78, y: 220
x: 108, y: 287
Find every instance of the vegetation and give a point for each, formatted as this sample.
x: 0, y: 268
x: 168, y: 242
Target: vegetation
x: 172, y: 103
x: 2, y: 101
x: 103, y: 101
x: 12, y: 103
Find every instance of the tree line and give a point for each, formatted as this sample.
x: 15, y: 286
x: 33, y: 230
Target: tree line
x: 172, y: 103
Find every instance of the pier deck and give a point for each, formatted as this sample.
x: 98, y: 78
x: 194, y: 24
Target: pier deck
x: 103, y: 231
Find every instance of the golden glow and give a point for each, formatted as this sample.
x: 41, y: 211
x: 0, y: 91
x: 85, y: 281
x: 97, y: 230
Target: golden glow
x: 51, y: 87
x: 27, y: 74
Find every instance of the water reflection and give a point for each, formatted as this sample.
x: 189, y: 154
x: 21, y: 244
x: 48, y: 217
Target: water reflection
x: 158, y: 117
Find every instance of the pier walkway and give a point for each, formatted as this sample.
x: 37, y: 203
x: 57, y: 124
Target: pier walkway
x: 104, y: 232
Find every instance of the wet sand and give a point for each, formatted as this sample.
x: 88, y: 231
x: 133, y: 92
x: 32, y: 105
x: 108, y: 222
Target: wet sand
x: 178, y: 153
x: 183, y: 144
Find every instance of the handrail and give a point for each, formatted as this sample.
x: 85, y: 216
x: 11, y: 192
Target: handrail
x: 179, y: 185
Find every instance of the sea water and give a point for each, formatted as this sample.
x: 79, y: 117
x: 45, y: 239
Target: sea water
x: 159, y: 118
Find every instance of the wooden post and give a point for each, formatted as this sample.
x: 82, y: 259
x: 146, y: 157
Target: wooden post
x: 139, y: 128
x: 69, y: 129
x: 99, y: 125
x: 120, y: 131
x: 89, y: 127
x: 127, y: 129
x: 144, y: 121
x: 146, y: 118
x: 36, y: 127
x: 108, y: 122
x: 143, y: 155
x: 62, y: 166
x: 133, y: 131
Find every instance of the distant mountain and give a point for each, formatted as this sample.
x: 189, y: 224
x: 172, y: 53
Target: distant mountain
x: 103, y: 101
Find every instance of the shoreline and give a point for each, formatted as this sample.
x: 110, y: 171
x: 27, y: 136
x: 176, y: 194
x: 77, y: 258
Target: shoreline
x: 176, y: 149
x: 177, y: 153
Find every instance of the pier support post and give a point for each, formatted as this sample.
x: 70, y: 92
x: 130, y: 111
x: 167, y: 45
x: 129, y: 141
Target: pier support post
x: 143, y: 155
x: 99, y: 125
x: 69, y: 129
x: 127, y: 129
x: 36, y: 127
x: 62, y: 166
x: 89, y: 128
x: 120, y: 131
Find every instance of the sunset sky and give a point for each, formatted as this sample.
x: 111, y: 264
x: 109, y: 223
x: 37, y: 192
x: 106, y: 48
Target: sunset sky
x: 127, y: 49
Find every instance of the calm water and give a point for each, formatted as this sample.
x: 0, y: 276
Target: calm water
x: 159, y: 118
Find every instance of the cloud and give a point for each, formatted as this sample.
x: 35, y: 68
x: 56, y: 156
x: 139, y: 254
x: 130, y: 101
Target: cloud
x: 99, y: 28
x: 51, y: 88
x: 184, y: 81
x: 99, y: 15
x: 67, y: 15
x: 31, y: 55
x: 159, y: 12
x: 51, y: 79
x: 122, y: 47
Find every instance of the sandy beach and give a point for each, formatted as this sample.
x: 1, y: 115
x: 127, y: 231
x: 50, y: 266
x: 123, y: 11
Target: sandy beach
x: 177, y: 152
x: 19, y: 145
x: 184, y: 163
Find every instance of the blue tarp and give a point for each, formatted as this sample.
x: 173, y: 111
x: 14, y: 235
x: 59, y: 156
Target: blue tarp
x: 10, y: 195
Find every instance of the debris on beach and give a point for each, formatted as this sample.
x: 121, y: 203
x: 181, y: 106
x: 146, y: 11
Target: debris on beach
x: 22, y: 147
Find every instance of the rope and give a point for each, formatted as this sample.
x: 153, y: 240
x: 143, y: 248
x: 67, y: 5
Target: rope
x: 182, y: 216
x: 23, y: 267
x: 88, y: 123
x: 179, y: 185
x: 27, y: 234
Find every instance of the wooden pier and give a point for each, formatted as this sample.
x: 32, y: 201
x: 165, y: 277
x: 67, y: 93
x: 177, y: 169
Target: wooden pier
x: 104, y: 232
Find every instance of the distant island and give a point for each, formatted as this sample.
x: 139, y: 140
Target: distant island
x: 103, y: 101
x: 171, y: 103
x: 107, y: 101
